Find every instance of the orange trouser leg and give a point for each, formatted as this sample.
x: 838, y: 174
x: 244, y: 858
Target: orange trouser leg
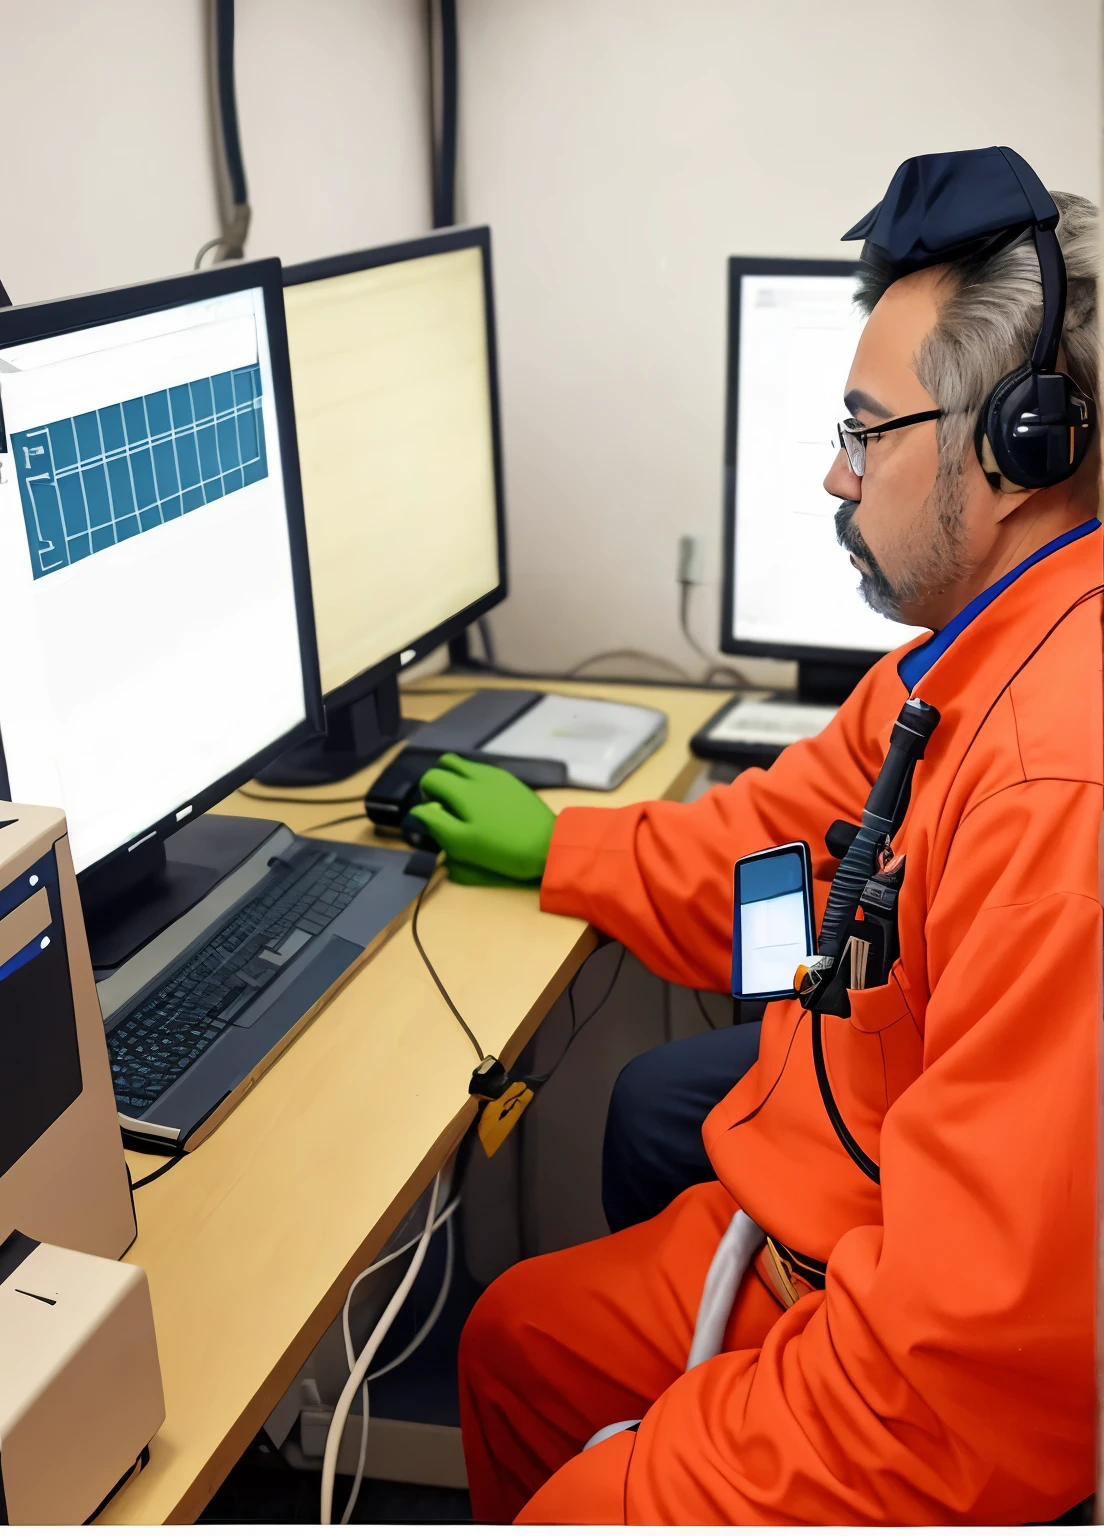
x: 562, y: 1345
x: 587, y: 1490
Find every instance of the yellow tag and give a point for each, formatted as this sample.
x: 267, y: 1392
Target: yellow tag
x: 501, y: 1115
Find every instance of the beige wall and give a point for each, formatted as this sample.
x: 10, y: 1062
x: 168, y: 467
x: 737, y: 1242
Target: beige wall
x: 107, y: 163
x: 621, y: 149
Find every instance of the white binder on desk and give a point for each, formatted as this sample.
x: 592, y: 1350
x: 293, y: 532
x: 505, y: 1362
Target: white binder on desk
x: 598, y: 741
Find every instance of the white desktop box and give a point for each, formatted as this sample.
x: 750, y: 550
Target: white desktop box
x: 80, y: 1385
x: 63, y: 1177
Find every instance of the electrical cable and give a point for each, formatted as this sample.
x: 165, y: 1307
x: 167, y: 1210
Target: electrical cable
x: 157, y: 1172
x: 248, y: 794
x: 233, y: 195
x: 576, y: 1028
x: 484, y: 627
x: 703, y: 1010
x: 438, y: 1306
x: 571, y: 1004
x: 360, y: 1369
x: 438, y: 983
x: 208, y: 245
x: 686, y: 587
x: 445, y: 1218
x: 719, y: 675
x: 629, y: 651
x: 716, y: 669
x: 545, y: 1077
x: 397, y: 1253
x: 446, y: 91
x: 338, y: 821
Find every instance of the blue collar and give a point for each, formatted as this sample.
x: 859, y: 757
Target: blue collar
x: 915, y: 663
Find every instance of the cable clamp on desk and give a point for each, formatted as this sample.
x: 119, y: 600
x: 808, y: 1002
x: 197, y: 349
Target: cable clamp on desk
x: 490, y: 1079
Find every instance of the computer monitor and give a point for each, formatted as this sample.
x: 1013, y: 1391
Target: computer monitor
x: 396, y: 405
x: 789, y: 590
x: 156, y: 631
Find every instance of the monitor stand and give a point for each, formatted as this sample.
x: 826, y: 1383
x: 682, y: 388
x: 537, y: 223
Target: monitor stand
x: 127, y: 908
x: 828, y: 682
x: 356, y: 734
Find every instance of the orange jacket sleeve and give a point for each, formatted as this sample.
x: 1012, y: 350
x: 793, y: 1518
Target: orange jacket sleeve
x: 946, y: 1371
x: 658, y: 876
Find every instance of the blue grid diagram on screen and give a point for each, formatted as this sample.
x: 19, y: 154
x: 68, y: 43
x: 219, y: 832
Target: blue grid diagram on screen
x: 90, y: 481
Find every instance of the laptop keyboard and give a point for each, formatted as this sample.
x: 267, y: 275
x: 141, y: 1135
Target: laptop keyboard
x: 159, y: 1039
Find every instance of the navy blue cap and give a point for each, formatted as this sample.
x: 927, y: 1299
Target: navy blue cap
x: 941, y: 207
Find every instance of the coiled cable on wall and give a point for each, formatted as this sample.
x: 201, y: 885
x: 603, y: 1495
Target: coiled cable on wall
x: 233, y: 195
x: 444, y: 102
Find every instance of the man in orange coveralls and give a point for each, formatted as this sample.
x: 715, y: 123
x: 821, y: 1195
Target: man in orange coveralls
x: 919, y: 1349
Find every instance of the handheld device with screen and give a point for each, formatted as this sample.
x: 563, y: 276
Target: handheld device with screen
x: 772, y: 921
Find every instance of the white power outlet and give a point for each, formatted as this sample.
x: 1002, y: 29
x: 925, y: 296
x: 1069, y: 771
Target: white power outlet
x: 691, y: 559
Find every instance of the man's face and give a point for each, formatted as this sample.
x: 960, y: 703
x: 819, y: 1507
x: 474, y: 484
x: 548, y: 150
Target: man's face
x: 906, y: 523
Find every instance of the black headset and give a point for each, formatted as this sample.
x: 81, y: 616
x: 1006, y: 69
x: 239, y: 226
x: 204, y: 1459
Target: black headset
x: 1036, y: 426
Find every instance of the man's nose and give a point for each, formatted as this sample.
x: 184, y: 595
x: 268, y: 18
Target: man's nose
x: 841, y: 480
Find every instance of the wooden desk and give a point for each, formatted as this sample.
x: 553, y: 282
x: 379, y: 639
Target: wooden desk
x: 250, y: 1243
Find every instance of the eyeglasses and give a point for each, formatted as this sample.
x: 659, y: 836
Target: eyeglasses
x: 853, y: 435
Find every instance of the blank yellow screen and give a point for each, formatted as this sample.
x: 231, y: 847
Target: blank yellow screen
x: 393, y: 414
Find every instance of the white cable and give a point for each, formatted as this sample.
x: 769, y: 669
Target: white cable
x: 367, y: 1354
x: 398, y: 1252
x: 401, y: 1358
x: 428, y: 1326
x: 348, y: 1337
x: 354, y: 1492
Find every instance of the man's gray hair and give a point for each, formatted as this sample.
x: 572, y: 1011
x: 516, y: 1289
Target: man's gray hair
x: 990, y: 310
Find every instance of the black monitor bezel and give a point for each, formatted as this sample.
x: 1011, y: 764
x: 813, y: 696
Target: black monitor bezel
x: 461, y: 238
x: 34, y: 322
x: 738, y: 268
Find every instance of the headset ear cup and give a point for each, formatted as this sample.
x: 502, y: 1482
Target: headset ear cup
x: 1038, y: 427
x: 986, y: 457
x: 995, y: 432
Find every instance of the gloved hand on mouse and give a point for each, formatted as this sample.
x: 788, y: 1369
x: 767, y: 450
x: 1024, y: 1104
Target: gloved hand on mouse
x: 492, y: 828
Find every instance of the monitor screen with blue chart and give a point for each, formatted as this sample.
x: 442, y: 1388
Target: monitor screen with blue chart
x: 151, y: 608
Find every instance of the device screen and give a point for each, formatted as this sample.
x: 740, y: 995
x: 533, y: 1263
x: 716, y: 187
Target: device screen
x: 793, y: 584
x: 772, y: 926
x: 148, y: 628
x: 390, y: 372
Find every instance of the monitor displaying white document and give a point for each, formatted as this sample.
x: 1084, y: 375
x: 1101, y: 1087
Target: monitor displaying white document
x: 152, y: 604
x: 790, y: 590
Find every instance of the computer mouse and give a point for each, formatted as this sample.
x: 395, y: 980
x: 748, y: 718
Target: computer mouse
x: 417, y: 834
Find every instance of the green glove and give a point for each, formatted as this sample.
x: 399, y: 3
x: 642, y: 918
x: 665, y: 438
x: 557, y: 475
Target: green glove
x: 488, y: 823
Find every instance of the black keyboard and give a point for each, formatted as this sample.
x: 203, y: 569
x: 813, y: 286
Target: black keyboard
x: 169, y: 1029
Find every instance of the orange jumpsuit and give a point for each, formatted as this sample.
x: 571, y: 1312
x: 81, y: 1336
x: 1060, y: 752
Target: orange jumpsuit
x: 945, y: 1373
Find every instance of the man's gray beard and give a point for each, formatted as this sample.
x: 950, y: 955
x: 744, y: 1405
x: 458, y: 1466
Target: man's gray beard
x: 932, y: 567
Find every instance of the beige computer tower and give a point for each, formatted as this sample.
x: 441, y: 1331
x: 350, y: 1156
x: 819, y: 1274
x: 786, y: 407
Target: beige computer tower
x: 63, y: 1179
